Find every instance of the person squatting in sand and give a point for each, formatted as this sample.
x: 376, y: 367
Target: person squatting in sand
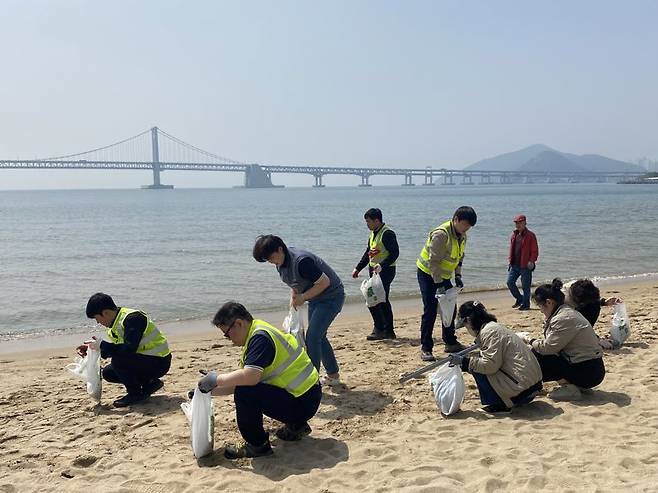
x: 506, y: 372
x: 276, y: 379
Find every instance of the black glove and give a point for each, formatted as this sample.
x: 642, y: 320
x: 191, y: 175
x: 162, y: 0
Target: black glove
x: 458, y: 282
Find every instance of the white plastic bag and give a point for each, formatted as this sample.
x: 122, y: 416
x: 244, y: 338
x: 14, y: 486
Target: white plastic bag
x: 621, y: 326
x: 294, y: 324
x: 373, y: 290
x: 200, y: 414
x: 448, y: 387
x: 448, y: 305
x: 88, y: 369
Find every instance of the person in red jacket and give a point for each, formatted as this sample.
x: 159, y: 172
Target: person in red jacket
x: 523, y: 254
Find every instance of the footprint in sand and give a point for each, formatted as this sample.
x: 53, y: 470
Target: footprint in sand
x: 84, y: 461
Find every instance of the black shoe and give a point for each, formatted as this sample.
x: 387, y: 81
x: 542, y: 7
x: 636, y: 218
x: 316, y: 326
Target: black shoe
x: 152, y: 387
x: 291, y: 433
x: 524, y: 308
x: 426, y: 355
x: 496, y: 409
x: 129, y: 399
x: 454, y: 348
x: 376, y: 336
x: 517, y: 304
x: 232, y: 452
x: 391, y: 335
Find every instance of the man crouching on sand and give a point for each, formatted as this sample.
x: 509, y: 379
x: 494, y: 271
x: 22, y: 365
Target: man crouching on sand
x: 276, y: 379
x: 139, y: 351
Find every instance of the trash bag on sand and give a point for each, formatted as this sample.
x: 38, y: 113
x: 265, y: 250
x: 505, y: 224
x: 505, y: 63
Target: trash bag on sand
x: 294, y: 324
x: 373, y: 290
x: 88, y: 369
x: 200, y: 414
x: 448, y: 305
x: 448, y: 387
x: 621, y: 327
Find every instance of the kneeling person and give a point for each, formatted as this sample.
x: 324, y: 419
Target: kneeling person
x: 139, y: 351
x: 506, y: 372
x: 277, y: 379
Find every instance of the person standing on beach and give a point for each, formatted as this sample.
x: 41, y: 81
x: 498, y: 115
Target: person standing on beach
x: 276, y: 379
x: 440, y: 258
x: 310, y: 279
x: 381, y: 253
x: 139, y: 351
x: 522, y: 258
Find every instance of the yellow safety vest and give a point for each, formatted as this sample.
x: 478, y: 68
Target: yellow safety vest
x: 291, y: 368
x: 375, y: 242
x: 455, y: 250
x: 153, y: 342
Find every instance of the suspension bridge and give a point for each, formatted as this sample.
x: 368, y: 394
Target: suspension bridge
x: 158, y: 151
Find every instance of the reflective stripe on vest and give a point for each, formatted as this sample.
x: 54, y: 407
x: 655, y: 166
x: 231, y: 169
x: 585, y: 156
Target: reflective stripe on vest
x: 455, y: 248
x: 375, y: 243
x: 152, y: 343
x: 291, y: 368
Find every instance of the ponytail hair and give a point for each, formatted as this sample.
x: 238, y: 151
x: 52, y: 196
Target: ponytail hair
x: 552, y: 291
x: 477, y: 313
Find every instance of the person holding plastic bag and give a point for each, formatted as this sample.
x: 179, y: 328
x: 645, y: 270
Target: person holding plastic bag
x: 310, y: 279
x: 381, y: 253
x: 584, y: 297
x: 276, y: 379
x: 139, y: 351
x: 569, y: 352
x: 506, y: 372
x: 440, y: 258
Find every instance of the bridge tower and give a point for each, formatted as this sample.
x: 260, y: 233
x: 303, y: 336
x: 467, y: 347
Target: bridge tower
x: 156, y: 164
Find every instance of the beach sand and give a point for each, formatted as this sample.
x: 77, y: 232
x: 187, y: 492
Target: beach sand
x: 372, y: 435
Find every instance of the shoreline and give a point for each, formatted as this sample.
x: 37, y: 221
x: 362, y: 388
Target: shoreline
x: 354, y: 312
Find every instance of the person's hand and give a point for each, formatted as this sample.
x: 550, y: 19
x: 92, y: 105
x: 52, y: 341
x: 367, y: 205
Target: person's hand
x: 531, y: 265
x: 524, y: 336
x: 82, y: 350
x: 297, y: 299
x: 455, y: 360
x: 355, y: 274
x: 377, y: 269
x: 613, y: 301
x: 93, y: 344
x: 458, y: 282
x: 208, y: 382
x: 440, y: 290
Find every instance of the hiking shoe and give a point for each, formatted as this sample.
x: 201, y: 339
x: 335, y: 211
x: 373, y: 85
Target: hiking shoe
x: 496, y: 409
x: 153, y: 386
x: 129, y: 399
x: 427, y: 356
x: 568, y: 392
x: 376, y: 336
x: 523, y: 308
x: 330, y: 381
x: 517, y: 304
x: 245, y: 449
x: 291, y: 433
x: 454, y: 348
x: 391, y: 335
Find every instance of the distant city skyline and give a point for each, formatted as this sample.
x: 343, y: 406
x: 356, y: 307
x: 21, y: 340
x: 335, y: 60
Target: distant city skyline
x: 370, y: 83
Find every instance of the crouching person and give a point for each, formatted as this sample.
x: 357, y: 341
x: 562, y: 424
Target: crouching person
x: 276, y: 379
x: 506, y: 372
x: 569, y: 352
x: 139, y: 351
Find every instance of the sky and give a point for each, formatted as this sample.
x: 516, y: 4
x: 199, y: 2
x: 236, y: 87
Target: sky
x: 367, y: 83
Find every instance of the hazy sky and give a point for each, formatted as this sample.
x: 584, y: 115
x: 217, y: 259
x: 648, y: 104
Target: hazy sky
x: 405, y: 83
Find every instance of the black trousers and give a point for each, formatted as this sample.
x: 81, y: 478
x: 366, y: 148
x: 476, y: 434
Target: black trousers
x: 136, y: 370
x: 252, y: 402
x: 430, y: 307
x: 382, y: 314
x: 586, y: 374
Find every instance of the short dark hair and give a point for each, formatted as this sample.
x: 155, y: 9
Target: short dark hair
x: 266, y: 245
x: 552, y: 291
x: 584, y: 292
x: 229, y: 313
x: 478, y: 314
x: 99, y: 302
x: 466, y: 213
x: 373, y: 213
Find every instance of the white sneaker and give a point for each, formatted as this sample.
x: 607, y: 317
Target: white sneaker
x: 568, y: 392
x: 330, y: 381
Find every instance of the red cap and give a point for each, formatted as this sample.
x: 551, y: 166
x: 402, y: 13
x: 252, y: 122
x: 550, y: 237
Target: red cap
x: 519, y: 218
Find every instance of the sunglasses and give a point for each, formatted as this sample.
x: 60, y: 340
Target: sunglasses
x: 227, y: 332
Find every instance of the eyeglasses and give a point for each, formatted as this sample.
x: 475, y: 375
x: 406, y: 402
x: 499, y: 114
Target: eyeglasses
x: 228, y: 331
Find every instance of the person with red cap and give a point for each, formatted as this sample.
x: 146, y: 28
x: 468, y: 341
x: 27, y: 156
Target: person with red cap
x: 523, y: 254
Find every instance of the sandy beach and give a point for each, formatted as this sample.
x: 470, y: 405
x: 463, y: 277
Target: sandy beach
x: 371, y: 435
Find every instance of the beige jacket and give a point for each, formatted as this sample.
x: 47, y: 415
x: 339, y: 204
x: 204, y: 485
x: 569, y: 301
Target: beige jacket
x: 439, y: 251
x: 568, y: 334
x: 506, y: 360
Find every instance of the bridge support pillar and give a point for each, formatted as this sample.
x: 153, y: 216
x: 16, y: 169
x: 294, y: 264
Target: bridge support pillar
x: 365, y: 181
x: 156, y: 164
x: 467, y: 179
x: 408, y: 180
x: 485, y: 179
x: 505, y: 179
x: 447, y: 179
x: 429, y: 179
x: 318, y: 181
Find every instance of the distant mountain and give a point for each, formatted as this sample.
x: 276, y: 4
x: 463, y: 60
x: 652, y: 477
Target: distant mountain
x: 540, y: 157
